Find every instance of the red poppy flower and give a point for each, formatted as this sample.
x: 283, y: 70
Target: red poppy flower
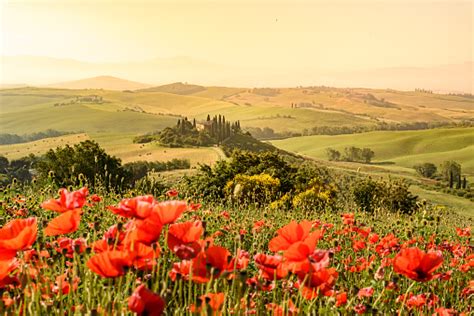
x: 239, y: 262
x: 358, y: 245
x: 7, y: 267
x: 169, y: 211
x: 365, y: 292
x: 95, y: 198
x: 416, y: 264
x: 65, y: 223
x: 463, y: 232
x: 146, y: 231
x: 194, y: 206
x: 360, y: 309
x: 258, y: 225
x: 341, y: 299
x: 67, y: 201
x: 137, y: 207
x: 348, y: 219
x: 215, y: 259
x: 290, y: 234
x: 298, y: 254
x: 63, y: 285
x: 110, y: 264
x: 183, y: 239
x: 144, y: 257
x: 69, y: 245
x: 209, y: 301
x: 18, y: 234
x: 442, y: 311
x: 278, y: 310
x: 145, y: 302
x: 194, y: 269
x: 172, y: 193
x: 321, y: 281
x: 271, y: 267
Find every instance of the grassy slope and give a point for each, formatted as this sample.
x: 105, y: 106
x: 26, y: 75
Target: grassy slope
x: 404, y: 148
x: 31, y: 109
x: 119, y: 145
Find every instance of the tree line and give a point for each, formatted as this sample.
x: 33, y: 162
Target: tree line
x: 351, y: 154
x: 8, y: 139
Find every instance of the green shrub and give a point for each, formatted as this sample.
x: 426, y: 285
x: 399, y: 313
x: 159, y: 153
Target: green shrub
x: 260, y: 188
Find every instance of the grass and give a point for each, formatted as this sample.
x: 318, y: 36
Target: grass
x: 403, y: 148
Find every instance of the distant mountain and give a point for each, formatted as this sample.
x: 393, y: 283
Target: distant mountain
x: 34, y: 70
x: 101, y: 82
x: 176, y: 88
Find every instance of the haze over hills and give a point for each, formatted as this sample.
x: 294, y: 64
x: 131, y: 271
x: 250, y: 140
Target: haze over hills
x: 42, y: 71
x: 101, y: 82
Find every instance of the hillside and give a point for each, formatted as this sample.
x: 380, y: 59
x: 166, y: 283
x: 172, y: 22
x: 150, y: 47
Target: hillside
x: 399, y: 148
x: 101, y: 82
x: 176, y: 88
x: 294, y: 110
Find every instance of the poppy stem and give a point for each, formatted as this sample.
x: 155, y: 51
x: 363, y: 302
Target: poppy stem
x: 405, y: 297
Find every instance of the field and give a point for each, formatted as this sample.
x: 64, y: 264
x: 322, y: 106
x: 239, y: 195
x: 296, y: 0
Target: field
x: 27, y: 110
x: 119, y: 145
x: 398, y: 148
x: 204, y: 260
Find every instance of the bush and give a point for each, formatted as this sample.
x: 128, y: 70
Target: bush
x: 245, y: 189
x: 370, y: 195
x: 427, y: 169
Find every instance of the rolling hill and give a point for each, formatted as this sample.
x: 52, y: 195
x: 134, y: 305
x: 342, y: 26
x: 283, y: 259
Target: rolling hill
x: 101, y: 82
x: 400, y: 148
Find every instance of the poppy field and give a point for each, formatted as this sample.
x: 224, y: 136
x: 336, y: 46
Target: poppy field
x: 81, y: 252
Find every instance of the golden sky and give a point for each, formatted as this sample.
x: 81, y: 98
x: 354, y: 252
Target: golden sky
x: 337, y: 35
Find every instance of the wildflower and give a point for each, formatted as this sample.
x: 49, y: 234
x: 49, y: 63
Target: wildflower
x: 137, y: 207
x: 278, y: 310
x: 169, y: 211
x: 341, y: 299
x: 183, y: 239
x: 7, y: 267
x: 442, y: 311
x: 18, y: 234
x: 360, y: 309
x: 95, y: 198
x: 209, y: 302
x: 172, y: 193
x: 463, y: 232
x: 258, y: 225
x: 145, y: 302
x: 365, y: 292
x: 110, y: 264
x: 67, y: 222
x: 67, y: 201
x: 348, y: 219
x: 293, y: 233
x: 320, y: 281
x: 271, y: 267
x: 416, y: 264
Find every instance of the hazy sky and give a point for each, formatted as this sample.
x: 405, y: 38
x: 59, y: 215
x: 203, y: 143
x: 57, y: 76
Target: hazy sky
x: 332, y: 34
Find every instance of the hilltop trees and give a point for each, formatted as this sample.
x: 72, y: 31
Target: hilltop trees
x: 213, y: 131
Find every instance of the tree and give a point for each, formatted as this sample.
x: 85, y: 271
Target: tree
x: 86, y: 158
x: 333, y: 155
x: 427, y: 169
x: 367, y: 154
x: 450, y: 171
